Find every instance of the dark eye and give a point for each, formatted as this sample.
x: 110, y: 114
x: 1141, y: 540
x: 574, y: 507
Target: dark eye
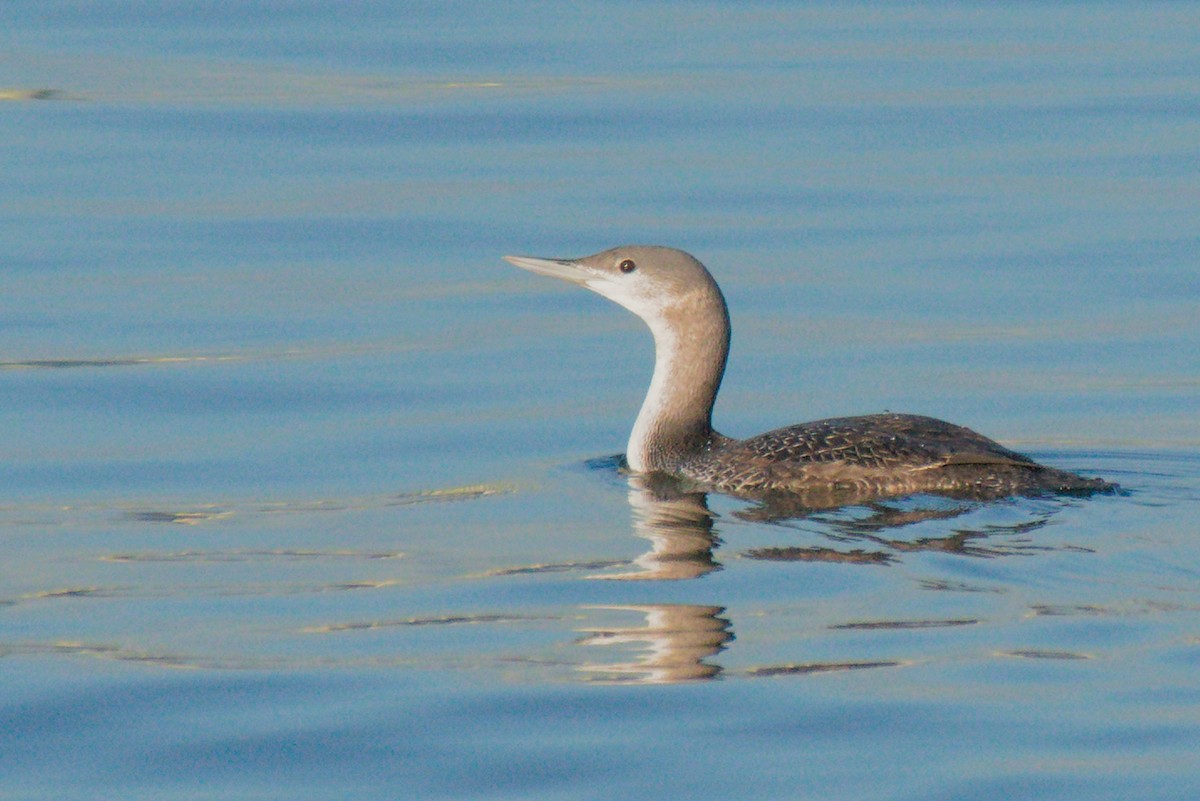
x: 627, y: 266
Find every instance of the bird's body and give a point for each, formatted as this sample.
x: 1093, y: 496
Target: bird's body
x: 874, y: 455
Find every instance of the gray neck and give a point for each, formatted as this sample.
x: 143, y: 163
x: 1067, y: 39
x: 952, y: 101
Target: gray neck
x: 691, y: 343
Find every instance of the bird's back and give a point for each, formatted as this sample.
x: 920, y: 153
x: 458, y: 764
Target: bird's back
x: 880, y: 454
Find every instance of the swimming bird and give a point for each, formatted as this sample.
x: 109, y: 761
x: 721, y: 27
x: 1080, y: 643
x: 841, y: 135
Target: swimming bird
x: 876, y: 455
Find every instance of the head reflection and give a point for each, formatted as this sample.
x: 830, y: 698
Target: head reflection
x: 670, y: 646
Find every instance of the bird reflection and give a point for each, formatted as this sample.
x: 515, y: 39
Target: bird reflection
x: 675, y: 640
x: 855, y: 528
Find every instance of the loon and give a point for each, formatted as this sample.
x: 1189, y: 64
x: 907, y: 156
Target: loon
x: 880, y: 455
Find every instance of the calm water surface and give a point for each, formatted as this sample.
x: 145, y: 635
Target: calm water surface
x: 308, y: 494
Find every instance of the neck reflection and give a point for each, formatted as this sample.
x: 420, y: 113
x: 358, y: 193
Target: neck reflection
x: 678, y: 526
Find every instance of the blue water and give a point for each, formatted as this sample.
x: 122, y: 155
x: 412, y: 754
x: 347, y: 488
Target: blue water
x: 308, y: 494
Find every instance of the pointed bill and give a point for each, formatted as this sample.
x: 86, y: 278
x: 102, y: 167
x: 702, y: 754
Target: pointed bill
x: 566, y: 269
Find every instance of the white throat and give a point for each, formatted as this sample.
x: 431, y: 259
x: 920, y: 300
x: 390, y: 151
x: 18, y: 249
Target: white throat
x: 655, y: 406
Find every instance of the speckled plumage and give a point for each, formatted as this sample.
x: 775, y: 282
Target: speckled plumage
x: 874, y: 455
x: 827, y: 461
